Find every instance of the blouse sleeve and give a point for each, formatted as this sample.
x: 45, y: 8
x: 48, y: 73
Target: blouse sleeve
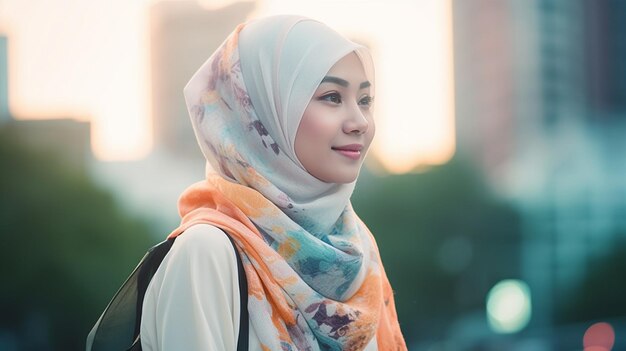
x: 192, y: 302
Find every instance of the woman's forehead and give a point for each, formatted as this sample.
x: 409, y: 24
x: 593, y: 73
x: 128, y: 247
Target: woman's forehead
x: 348, y: 72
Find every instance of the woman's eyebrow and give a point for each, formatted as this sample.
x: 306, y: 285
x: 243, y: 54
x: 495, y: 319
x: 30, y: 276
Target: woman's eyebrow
x: 343, y: 82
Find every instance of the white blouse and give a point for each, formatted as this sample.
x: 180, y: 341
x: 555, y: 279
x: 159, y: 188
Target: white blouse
x: 192, y: 302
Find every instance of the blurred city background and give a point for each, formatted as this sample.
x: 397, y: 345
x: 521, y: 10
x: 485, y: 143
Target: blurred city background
x: 496, y: 189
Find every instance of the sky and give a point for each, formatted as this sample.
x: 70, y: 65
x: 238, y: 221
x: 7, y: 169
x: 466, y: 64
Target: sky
x: 88, y: 60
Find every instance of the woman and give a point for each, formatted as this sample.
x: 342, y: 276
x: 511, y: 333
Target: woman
x: 282, y: 113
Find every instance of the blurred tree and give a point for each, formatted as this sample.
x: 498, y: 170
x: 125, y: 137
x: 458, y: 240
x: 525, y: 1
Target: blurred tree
x: 67, y: 247
x: 600, y: 295
x: 445, y: 240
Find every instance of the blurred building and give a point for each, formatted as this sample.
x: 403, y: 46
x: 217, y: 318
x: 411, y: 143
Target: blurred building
x: 4, y: 81
x: 63, y: 136
x: 541, y: 95
x: 606, y: 52
x: 183, y: 35
x: 486, y: 87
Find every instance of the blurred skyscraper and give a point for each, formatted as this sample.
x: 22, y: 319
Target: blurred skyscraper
x: 4, y: 80
x: 67, y: 137
x: 485, y: 88
x: 606, y: 52
x: 541, y: 107
x: 183, y: 35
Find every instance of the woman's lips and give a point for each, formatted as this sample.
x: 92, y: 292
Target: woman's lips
x: 352, y: 151
x: 353, y: 154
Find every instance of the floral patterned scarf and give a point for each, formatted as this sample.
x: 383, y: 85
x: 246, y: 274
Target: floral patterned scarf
x: 315, y: 278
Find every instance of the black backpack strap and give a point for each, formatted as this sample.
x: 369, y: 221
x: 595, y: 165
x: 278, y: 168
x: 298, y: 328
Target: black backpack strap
x: 242, y: 341
x: 148, y: 268
x: 147, y: 271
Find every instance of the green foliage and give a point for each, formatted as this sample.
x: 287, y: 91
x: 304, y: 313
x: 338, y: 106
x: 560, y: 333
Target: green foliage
x: 600, y: 295
x: 67, y: 247
x: 444, y: 240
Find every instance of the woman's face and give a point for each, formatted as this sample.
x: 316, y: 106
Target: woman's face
x: 337, y: 126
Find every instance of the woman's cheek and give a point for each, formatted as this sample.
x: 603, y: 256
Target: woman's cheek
x: 320, y: 124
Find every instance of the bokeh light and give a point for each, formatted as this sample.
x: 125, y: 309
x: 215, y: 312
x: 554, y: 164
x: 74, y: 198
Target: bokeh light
x: 599, y: 337
x: 509, y: 306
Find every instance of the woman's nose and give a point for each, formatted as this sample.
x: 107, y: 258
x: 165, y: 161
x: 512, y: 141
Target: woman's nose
x: 357, y: 121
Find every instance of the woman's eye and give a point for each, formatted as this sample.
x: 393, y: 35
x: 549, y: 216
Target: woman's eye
x: 366, y: 101
x: 335, y: 98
